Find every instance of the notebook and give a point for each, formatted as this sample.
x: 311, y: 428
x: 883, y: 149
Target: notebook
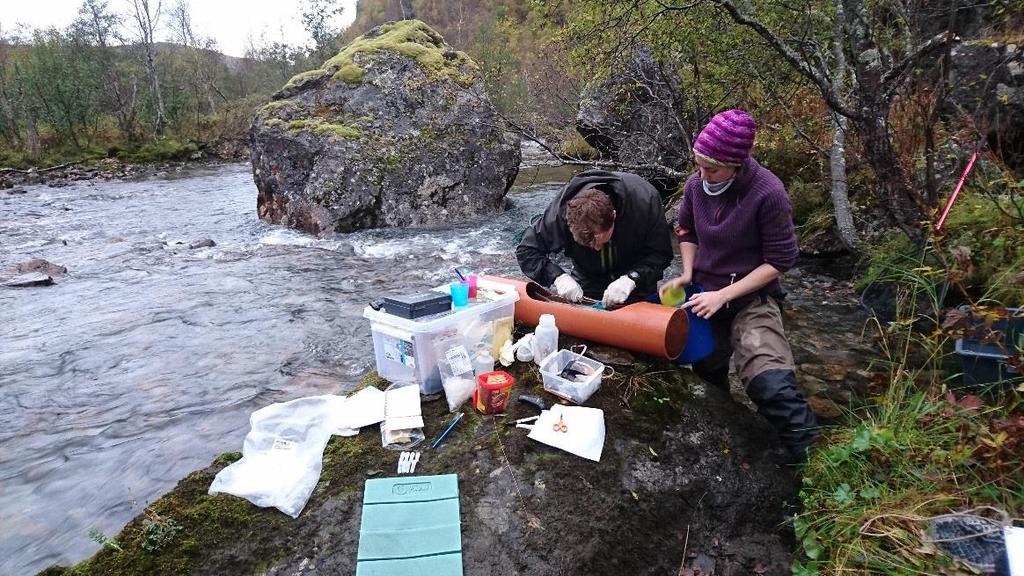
x: 401, y: 412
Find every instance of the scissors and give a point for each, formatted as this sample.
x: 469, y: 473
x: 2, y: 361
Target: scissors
x: 560, y: 426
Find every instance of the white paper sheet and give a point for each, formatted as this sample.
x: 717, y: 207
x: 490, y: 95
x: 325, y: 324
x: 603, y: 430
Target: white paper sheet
x: 584, y: 435
x: 1015, y: 549
x: 363, y: 408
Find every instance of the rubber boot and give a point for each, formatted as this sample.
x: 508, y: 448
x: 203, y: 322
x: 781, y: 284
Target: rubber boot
x: 717, y: 377
x: 779, y: 400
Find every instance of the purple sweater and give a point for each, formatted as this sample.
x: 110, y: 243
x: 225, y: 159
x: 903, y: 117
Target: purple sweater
x: 749, y: 224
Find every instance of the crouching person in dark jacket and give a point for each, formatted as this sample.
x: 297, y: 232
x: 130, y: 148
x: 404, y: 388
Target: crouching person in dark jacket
x: 612, y: 226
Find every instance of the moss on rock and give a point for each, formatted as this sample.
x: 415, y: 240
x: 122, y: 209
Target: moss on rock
x: 339, y: 130
x: 350, y: 73
x: 321, y: 128
x: 410, y: 38
x: 303, y: 77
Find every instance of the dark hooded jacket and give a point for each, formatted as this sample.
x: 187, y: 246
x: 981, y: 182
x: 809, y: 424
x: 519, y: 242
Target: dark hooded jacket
x: 641, y: 242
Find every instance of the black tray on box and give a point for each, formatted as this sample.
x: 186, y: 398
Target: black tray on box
x: 413, y: 306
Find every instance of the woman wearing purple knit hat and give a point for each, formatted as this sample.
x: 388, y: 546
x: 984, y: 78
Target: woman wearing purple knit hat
x: 736, y: 238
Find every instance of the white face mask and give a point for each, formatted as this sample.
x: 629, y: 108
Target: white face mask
x: 716, y: 189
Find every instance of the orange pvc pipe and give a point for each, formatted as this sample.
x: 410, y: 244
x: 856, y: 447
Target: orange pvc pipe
x: 640, y: 327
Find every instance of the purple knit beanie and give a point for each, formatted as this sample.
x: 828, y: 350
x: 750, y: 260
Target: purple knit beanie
x: 728, y: 138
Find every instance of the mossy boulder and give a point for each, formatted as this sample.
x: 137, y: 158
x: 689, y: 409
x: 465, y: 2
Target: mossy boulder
x: 395, y: 130
x: 633, y: 117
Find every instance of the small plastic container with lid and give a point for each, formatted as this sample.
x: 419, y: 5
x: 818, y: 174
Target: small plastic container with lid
x: 492, y: 391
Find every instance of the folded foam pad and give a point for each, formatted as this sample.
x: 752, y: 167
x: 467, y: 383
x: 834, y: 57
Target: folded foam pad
x: 410, y: 526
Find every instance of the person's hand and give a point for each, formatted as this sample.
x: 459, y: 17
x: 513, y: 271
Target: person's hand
x: 677, y: 283
x: 567, y: 287
x: 618, y: 291
x: 705, y: 304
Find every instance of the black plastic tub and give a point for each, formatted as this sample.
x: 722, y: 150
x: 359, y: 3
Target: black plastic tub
x: 984, y: 364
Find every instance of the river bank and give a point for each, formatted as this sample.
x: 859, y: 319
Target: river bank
x: 153, y: 160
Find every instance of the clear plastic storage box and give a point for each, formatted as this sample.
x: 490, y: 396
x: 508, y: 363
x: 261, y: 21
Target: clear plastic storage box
x: 404, y: 347
x: 552, y: 367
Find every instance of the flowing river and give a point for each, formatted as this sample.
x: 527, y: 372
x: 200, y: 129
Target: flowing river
x: 144, y: 362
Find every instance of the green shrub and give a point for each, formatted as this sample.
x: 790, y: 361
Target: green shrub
x: 159, y: 151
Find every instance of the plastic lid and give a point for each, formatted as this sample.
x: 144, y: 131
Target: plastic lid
x: 547, y: 320
x: 495, y: 380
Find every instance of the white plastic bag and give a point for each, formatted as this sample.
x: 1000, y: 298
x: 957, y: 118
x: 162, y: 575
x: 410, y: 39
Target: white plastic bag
x: 456, y: 367
x: 282, y: 455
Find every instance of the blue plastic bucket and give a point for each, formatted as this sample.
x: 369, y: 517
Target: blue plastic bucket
x: 699, y: 341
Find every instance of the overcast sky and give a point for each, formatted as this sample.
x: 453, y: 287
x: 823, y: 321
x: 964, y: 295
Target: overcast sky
x: 229, y: 22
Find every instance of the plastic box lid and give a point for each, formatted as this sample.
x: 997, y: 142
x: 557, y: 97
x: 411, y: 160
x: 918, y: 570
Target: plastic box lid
x: 507, y: 294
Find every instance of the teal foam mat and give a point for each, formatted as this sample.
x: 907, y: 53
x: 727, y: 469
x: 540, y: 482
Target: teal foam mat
x: 410, y: 526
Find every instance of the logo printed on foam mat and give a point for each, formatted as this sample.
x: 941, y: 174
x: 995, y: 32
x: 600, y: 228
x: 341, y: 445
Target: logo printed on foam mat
x: 410, y: 488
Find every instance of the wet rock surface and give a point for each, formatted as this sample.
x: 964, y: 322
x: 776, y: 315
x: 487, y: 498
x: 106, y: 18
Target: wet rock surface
x: 396, y: 130
x: 683, y: 465
x: 28, y: 280
x: 35, y: 272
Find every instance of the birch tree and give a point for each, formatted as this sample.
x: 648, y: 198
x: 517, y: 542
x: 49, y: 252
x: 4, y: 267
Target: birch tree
x: 837, y: 155
x: 146, y: 18
x: 878, y: 75
x: 119, y: 91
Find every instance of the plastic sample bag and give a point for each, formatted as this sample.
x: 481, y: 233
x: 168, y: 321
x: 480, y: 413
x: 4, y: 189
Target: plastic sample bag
x: 402, y: 427
x: 283, y: 454
x: 456, y: 367
x: 360, y: 409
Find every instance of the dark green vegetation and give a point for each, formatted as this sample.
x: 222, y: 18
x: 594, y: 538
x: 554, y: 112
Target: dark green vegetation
x: 925, y: 446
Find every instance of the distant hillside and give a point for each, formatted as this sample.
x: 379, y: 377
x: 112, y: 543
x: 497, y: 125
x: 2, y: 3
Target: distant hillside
x: 233, y: 63
x: 510, y: 39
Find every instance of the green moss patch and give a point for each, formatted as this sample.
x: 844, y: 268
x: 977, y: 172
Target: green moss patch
x: 350, y: 73
x: 410, y: 38
x: 303, y: 77
x: 321, y: 128
x: 180, y: 529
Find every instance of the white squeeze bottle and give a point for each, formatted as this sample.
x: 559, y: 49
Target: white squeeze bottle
x: 545, y: 338
x: 483, y: 363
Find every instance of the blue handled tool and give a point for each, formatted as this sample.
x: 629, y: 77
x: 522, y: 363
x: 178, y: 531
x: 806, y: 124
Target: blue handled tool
x: 447, y: 430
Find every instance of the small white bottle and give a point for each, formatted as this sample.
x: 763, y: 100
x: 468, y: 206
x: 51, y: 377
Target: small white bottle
x: 483, y: 363
x: 545, y: 338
